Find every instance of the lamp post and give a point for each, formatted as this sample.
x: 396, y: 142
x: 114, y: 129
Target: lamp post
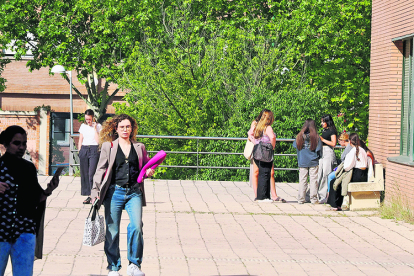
x: 62, y: 70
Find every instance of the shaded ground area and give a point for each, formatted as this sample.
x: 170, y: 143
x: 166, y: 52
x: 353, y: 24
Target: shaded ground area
x: 215, y: 228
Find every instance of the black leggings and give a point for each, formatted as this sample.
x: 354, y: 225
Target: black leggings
x: 263, y: 183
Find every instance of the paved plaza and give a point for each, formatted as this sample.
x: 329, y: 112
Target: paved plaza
x: 215, y: 228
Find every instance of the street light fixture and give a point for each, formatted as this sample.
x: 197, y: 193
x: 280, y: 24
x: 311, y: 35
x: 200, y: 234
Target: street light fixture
x: 60, y: 69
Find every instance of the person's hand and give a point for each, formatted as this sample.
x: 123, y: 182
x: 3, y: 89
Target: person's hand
x: 150, y: 172
x: 321, y: 137
x: 95, y: 199
x: 94, y: 125
x: 3, y: 187
x: 52, y: 185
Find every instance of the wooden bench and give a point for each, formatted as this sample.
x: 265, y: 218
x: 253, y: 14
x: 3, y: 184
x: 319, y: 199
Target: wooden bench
x: 366, y: 195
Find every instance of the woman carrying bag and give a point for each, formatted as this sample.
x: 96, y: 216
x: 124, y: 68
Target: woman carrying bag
x: 115, y: 185
x: 265, y: 140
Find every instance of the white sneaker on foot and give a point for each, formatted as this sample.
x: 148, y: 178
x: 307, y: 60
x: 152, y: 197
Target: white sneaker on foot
x: 133, y: 270
x: 114, y: 273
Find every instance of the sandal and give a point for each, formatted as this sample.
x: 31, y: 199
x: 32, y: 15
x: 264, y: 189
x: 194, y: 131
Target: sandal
x: 88, y: 200
x: 279, y: 199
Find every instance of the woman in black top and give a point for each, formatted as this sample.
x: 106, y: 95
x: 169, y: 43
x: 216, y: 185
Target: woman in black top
x: 21, y: 207
x: 115, y: 185
x: 328, y: 161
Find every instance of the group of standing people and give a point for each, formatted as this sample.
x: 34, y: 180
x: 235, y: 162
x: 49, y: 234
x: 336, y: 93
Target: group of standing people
x: 316, y: 159
x: 108, y: 177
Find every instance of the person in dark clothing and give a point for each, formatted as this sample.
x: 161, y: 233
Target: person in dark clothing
x: 115, y: 185
x: 357, y: 161
x: 21, y: 204
x: 309, y: 150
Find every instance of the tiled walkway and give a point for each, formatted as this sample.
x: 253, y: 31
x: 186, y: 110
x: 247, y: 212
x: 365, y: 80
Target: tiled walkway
x: 214, y: 228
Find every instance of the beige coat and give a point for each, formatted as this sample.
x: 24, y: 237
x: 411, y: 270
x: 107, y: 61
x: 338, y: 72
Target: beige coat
x: 103, y: 175
x: 342, y: 177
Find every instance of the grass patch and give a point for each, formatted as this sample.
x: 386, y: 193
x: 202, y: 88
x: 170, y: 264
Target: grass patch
x: 397, y: 208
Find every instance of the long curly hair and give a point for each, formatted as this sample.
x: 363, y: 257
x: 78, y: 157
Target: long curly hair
x: 108, y: 132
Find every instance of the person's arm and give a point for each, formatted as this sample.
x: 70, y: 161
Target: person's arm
x: 350, y: 162
x: 145, y: 158
x: 100, y: 171
x: 97, y: 130
x: 331, y: 143
x: 272, y: 136
x: 80, y: 141
x: 250, y: 133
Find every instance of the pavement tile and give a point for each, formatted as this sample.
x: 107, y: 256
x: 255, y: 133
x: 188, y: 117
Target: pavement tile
x: 215, y: 228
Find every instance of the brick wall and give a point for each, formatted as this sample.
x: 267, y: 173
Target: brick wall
x: 390, y: 19
x: 26, y: 90
x: 30, y: 122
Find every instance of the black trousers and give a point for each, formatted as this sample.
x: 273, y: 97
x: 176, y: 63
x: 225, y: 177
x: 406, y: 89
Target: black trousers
x: 88, y: 158
x: 263, y: 183
x: 335, y: 198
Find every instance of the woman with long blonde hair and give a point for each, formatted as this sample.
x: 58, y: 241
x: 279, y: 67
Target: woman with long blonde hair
x: 115, y: 185
x: 263, y: 172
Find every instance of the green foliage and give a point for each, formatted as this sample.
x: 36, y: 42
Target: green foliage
x: 3, y: 61
x: 196, y: 79
x: 88, y: 36
x: 46, y: 108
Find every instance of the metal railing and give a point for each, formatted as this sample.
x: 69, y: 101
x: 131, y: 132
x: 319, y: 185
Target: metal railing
x: 74, y: 160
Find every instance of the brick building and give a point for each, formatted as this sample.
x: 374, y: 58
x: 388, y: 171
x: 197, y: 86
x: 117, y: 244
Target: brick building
x: 391, y: 120
x: 27, y: 90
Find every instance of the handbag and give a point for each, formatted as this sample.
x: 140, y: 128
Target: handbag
x: 94, y: 232
x: 248, y: 150
x: 264, y: 152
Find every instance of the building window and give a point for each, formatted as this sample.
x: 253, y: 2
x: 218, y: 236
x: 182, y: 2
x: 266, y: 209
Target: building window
x: 61, y: 128
x: 406, y: 146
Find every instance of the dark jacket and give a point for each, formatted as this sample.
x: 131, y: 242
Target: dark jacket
x: 28, y: 194
x: 306, y: 157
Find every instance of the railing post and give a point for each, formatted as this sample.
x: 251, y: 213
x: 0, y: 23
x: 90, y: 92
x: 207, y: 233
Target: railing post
x: 197, y: 161
x: 71, y: 159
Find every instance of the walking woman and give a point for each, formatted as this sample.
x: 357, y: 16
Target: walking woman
x: 115, y: 185
x: 21, y: 205
x: 309, y: 150
x: 88, y: 153
x: 328, y: 161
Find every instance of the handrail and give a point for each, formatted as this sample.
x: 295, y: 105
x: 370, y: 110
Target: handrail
x: 73, y: 164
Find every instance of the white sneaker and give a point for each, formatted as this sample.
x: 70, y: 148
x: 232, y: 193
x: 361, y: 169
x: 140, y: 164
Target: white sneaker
x: 264, y: 200
x: 133, y: 270
x: 114, y: 273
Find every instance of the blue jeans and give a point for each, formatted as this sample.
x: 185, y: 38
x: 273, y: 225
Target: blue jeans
x: 331, y: 176
x: 117, y: 199
x: 21, y: 253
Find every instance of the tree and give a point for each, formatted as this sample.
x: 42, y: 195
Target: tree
x: 88, y: 36
x: 3, y: 62
x: 209, y: 68
x: 332, y: 42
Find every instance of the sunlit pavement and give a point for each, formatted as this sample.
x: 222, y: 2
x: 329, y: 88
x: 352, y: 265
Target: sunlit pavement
x: 215, y: 228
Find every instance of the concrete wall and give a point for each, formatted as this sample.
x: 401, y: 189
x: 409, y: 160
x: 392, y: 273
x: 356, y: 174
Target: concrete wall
x: 390, y: 19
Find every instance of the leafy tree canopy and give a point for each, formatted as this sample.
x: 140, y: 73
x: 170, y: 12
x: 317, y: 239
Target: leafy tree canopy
x: 88, y: 36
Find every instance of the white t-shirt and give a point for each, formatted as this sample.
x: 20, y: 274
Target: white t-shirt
x: 88, y: 133
x: 351, y: 161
